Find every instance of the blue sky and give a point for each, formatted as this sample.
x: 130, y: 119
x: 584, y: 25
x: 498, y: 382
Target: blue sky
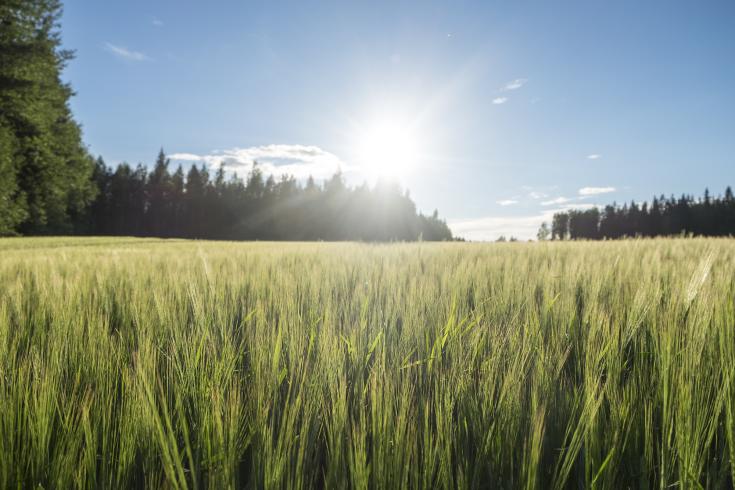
x: 513, y: 109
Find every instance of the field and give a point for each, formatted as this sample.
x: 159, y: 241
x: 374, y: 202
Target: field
x: 184, y: 364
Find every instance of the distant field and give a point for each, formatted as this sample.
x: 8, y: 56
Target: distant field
x: 184, y: 364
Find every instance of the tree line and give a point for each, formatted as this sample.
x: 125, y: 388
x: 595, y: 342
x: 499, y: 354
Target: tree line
x: 705, y: 216
x: 134, y: 201
x: 49, y: 184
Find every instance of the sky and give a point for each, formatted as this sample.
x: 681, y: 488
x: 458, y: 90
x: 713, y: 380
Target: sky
x: 497, y: 114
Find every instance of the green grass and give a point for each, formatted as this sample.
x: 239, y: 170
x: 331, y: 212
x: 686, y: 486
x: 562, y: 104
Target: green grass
x: 181, y: 364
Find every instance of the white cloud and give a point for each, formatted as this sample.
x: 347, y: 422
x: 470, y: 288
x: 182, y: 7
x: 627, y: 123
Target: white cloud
x: 537, y: 195
x: 558, y: 200
x: 581, y: 205
x: 187, y: 157
x: 593, y: 156
x: 593, y: 191
x: 507, y: 202
x: 157, y: 22
x: 125, y: 53
x: 300, y: 161
x: 500, y: 100
x: 490, y: 228
x: 515, y: 84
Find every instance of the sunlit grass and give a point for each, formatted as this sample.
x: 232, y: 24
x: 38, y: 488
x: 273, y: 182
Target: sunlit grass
x: 185, y: 364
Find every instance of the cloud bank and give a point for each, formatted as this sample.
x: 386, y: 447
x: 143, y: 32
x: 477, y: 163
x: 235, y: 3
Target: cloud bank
x: 593, y: 191
x: 301, y: 161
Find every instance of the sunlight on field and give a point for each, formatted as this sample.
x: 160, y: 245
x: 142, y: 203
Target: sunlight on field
x: 127, y: 362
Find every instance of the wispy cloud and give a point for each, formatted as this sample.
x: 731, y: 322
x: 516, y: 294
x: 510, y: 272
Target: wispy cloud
x: 512, y: 85
x: 507, y: 202
x: 593, y: 191
x: 301, y: 161
x: 537, y: 195
x: 125, y: 53
x: 593, y: 156
x: 515, y: 84
x: 157, y: 22
x: 558, y: 200
x: 188, y: 157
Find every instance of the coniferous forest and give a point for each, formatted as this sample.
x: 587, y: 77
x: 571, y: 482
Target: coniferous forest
x: 133, y: 201
x: 706, y: 216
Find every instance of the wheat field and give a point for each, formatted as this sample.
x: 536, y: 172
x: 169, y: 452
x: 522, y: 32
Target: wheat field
x: 186, y: 364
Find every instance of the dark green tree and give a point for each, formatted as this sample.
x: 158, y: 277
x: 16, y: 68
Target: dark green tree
x: 13, y: 206
x: 708, y: 216
x: 159, y: 188
x: 560, y: 226
x: 45, y: 168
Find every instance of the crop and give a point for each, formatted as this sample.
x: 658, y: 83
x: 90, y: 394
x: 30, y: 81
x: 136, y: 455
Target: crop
x: 188, y: 364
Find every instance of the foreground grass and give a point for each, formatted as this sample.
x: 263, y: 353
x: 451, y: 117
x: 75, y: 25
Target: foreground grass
x: 182, y: 364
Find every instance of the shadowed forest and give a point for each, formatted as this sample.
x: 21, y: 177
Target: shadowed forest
x: 133, y: 201
x: 706, y: 216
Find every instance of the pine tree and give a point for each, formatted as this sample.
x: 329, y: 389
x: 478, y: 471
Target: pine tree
x: 158, y: 190
x: 196, y: 186
x: 177, y: 201
x: 45, y: 167
x: 13, y: 206
x: 98, y: 215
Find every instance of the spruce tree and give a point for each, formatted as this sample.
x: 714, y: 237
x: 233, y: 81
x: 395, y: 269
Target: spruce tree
x: 45, y: 183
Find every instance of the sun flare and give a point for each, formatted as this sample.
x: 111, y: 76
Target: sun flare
x: 387, y: 149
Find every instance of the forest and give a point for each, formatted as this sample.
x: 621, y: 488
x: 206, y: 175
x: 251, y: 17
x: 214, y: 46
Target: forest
x: 706, y: 216
x: 135, y: 202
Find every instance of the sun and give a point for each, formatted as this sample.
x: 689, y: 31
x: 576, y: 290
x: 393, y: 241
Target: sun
x: 387, y: 149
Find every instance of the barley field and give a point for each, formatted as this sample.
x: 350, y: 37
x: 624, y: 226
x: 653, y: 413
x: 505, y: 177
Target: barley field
x: 184, y: 364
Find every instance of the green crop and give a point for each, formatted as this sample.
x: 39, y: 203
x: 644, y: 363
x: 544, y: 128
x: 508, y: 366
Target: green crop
x: 185, y: 364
